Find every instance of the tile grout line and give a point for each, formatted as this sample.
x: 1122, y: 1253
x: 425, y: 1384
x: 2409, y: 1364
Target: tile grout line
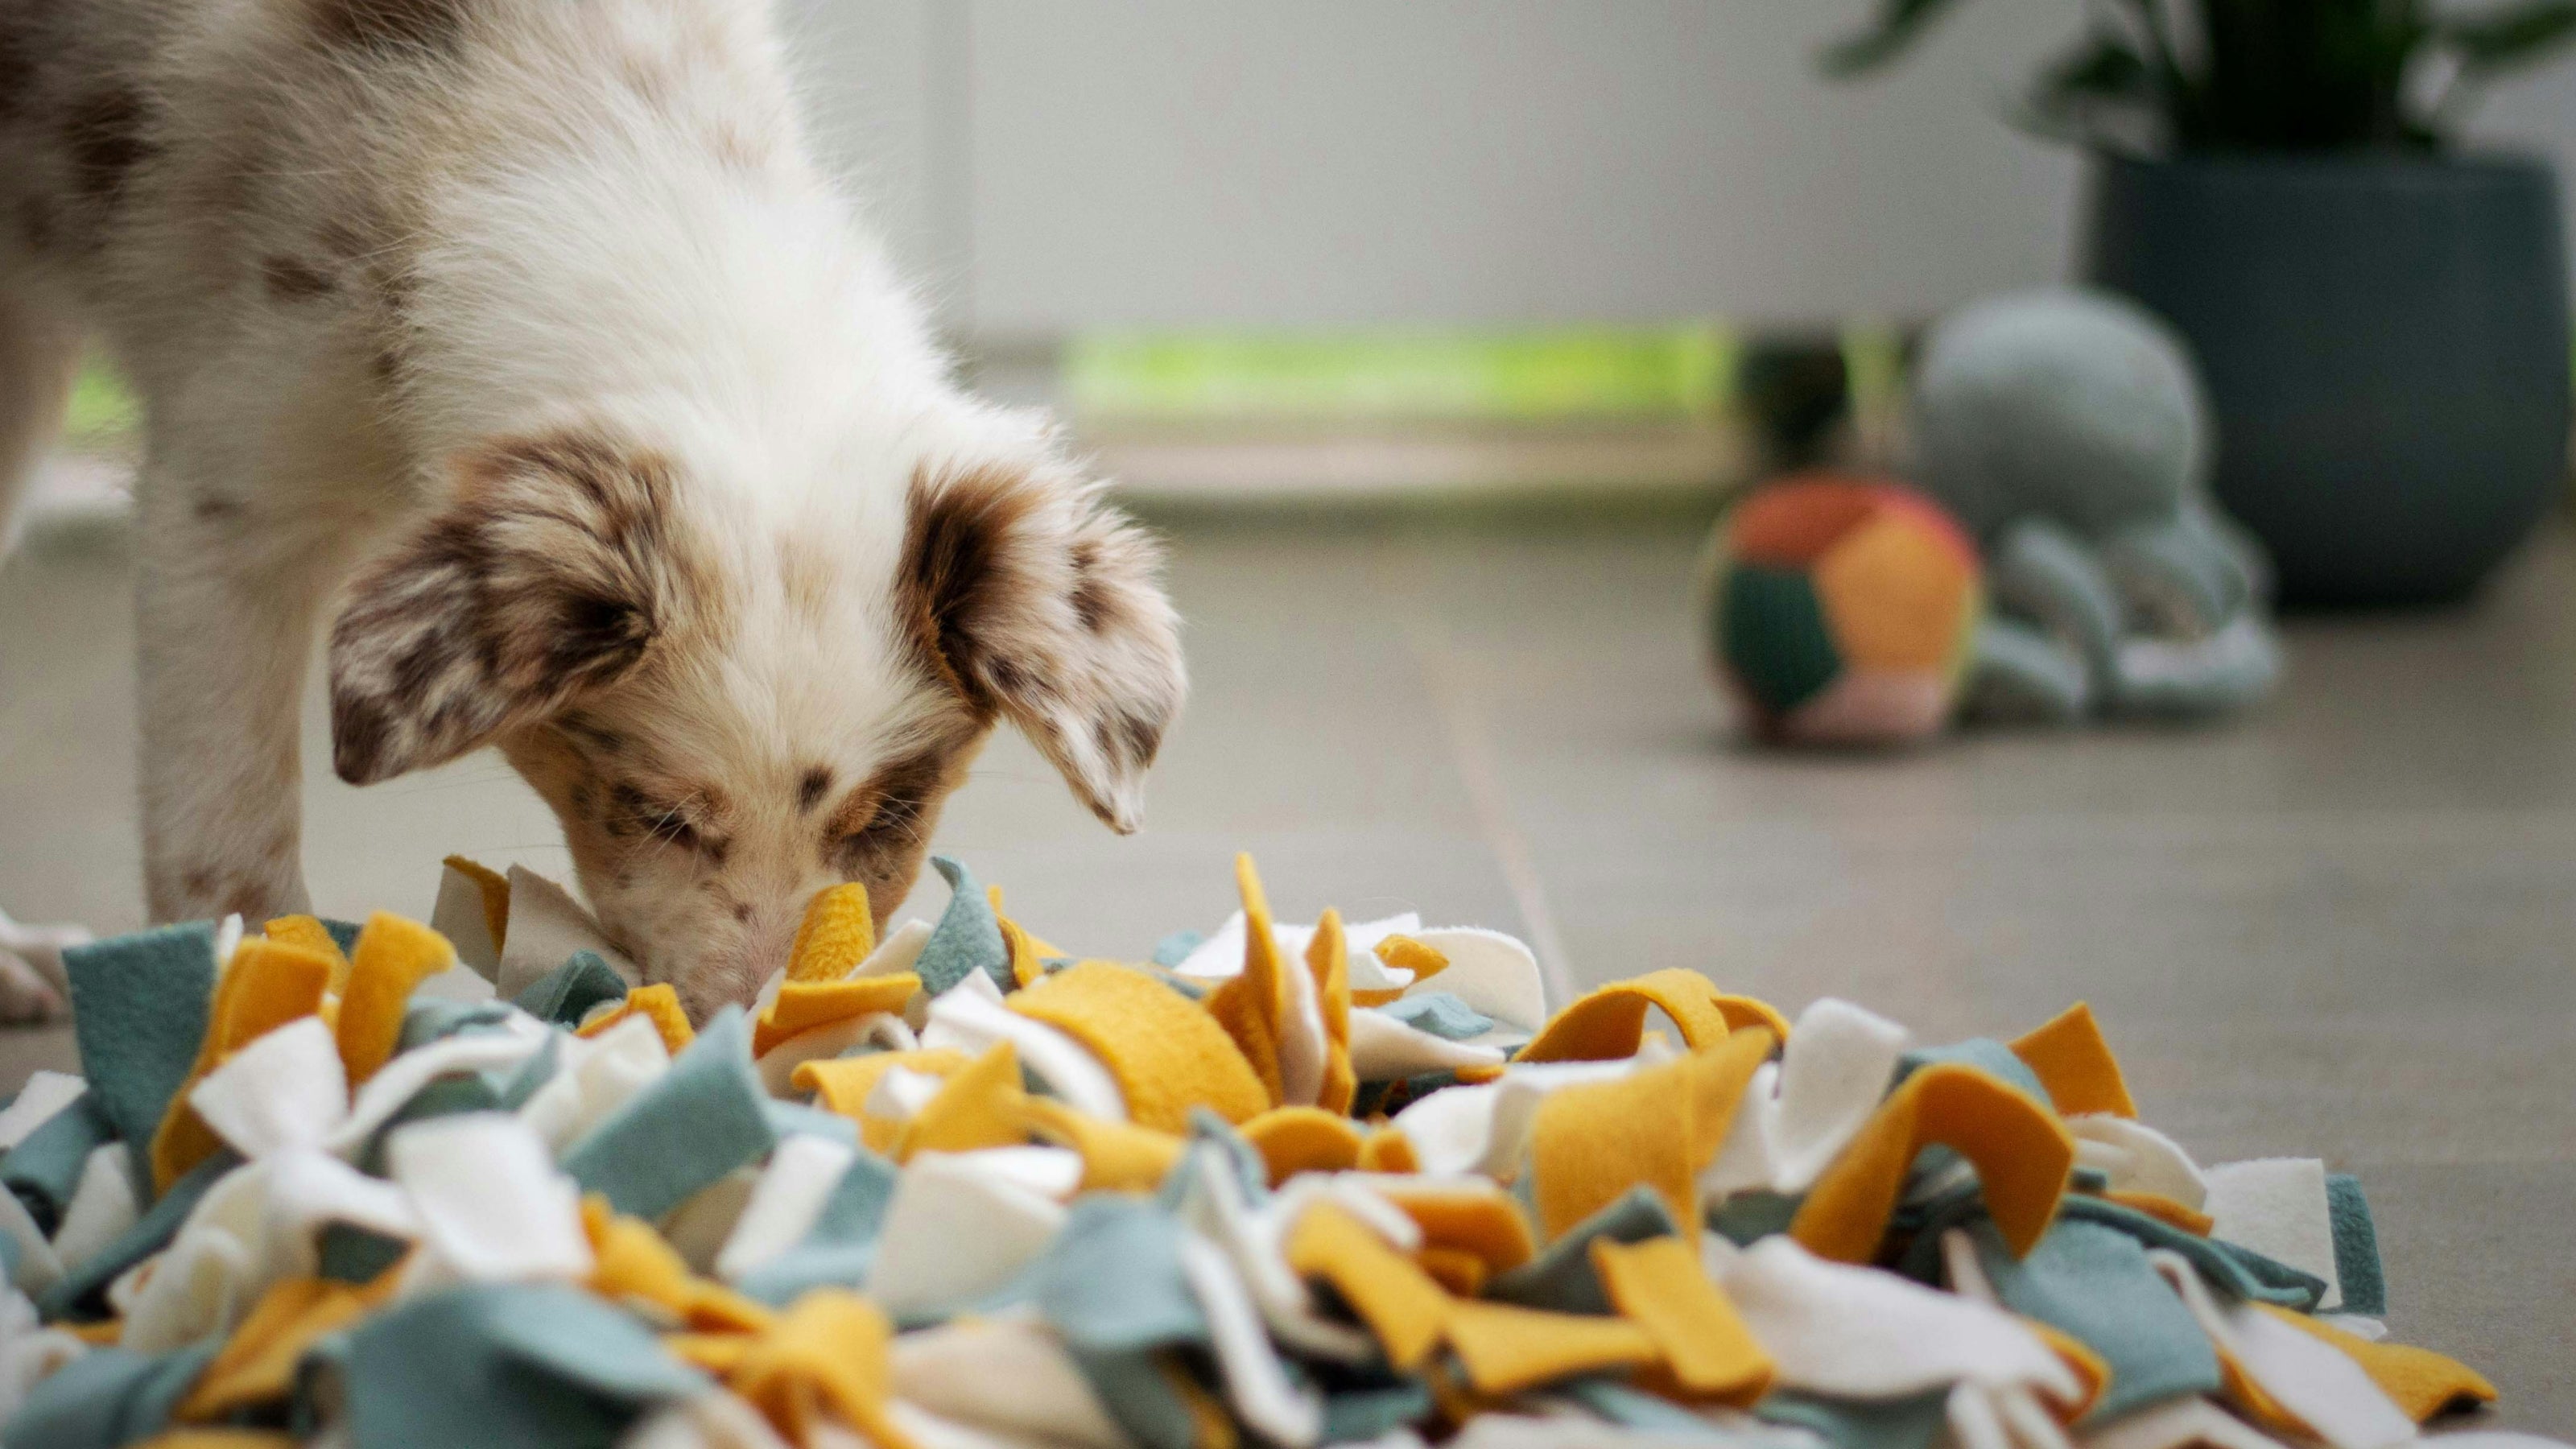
x: 1473, y: 754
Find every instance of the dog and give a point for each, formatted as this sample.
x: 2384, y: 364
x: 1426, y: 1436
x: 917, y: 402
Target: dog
x: 526, y: 342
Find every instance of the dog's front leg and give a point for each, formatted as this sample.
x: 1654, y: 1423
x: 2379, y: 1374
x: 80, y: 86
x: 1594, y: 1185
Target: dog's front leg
x: 226, y: 606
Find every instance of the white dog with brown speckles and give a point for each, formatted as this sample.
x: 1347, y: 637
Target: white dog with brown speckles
x: 524, y: 341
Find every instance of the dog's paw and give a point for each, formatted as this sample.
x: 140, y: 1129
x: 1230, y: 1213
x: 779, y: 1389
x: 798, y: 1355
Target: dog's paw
x: 34, y: 987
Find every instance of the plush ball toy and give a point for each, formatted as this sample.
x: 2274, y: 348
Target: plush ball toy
x: 1841, y: 609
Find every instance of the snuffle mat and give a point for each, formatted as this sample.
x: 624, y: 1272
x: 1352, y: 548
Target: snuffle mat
x: 395, y: 1186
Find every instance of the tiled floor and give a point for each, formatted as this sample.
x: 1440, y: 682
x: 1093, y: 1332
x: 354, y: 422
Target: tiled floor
x: 2342, y: 927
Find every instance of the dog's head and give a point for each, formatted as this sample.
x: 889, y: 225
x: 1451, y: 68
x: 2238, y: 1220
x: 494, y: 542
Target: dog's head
x: 734, y: 697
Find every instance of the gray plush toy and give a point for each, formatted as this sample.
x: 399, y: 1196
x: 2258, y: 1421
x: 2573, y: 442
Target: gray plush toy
x: 2067, y: 429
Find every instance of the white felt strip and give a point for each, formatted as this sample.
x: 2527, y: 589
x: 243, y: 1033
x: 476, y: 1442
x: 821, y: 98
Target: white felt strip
x: 1256, y: 1383
x: 29, y: 1352
x: 1449, y: 1130
x: 701, y: 1225
x: 103, y: 1205
x: 211, y: 1273
x: 285, y: 1089
x: 45, y: 1094
x: 1383, y: 1049
x: 2312, y: 1379
x: 593, y: 1077
x: 1492, y: 972
x: 2138, y: 1158
x: 1054, y: 1173
x: 308, y: 1192
x: 2278, y: 1207
x: 491, y: 1203
x: 2193, y: 1423
x: 1867, y: 1334
x: 458, y: 915
x: 901, y: 1093
x: 1303, y: 1043
x: 792, y: 1190
x: 897, y: 953
x: 1003, y: 1375
x: 970, y: 1017
x: 546, y: 927
x: 877, y: 1028
x: 1833, y: 1073
x: 954, y: 1233
x: 1215, y: 1207
x: 712, y: 1420
x: 228, y: 939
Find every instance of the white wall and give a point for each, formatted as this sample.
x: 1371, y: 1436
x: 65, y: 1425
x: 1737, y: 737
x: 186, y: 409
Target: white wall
x: 1052, y: 164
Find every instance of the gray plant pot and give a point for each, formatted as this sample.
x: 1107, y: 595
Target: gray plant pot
x: 2385, y: 340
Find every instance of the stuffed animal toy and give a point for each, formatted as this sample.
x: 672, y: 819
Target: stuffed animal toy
x: 1841, y: 609
x: 2068, y: 431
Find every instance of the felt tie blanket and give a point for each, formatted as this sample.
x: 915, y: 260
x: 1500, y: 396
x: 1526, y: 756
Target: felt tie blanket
x: 389, y: 1186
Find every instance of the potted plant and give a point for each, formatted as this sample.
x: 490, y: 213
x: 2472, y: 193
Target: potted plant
x: 2382, y: 319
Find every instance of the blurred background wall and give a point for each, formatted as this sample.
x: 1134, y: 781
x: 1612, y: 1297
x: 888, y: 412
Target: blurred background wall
x: 1047, y: 167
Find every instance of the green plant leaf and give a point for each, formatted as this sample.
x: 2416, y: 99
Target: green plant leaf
x: 2496, y: 40
x: 1899, y: 24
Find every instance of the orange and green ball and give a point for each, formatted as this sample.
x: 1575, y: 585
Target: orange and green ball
x: 1841, y: 609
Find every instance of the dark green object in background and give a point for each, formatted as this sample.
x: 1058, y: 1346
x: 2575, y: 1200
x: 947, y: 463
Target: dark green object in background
x: 2385, y: 340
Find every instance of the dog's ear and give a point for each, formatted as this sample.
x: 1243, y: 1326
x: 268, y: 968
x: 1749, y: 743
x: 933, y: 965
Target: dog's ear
x: 1035, y: 600
x: 551, y: 574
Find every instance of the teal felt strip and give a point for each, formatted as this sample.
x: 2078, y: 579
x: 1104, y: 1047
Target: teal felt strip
x: 967, y: 938
x: 106, y: 1398
x: 1111, y: 1282
x: 698, y: 1121
x: 505, y: 1367
x: 44, y: 1169
x: 1239, y: 1156
x: 352, y: 1254
x: 841, y: 1246
x: 78, y: 1293
x: 11, y: 1256
x: 2356, y: 1246
x: 1636, y: 1409
x: 1561, y: 1276
x: 1747, y: 1217
x: 139, y: 1011
x: 788, y: 1119
x: 567, y: 993
x: 1982, y: 1052
x: 2094, y: 1283
x: 1131, y: 1386
x: 1772, y: 630
x: 1914, y: 1423
x: 1175, y: 948
x: 1440, y: 1013
x: 524, y: 1080
x: 432, y: 1019
x: 1360, y: 1415
x: 343, y: 933
x: 2234, y: 1270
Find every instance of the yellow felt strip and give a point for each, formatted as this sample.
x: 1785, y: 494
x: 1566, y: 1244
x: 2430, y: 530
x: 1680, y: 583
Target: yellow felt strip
x: 257, y: 1363
x: 1507, y: 1348
x: 1328, y: 958
x: 210, y: 1436
x: 1390, y: 1292
x: 1660, y: 1286
x: 1292, y: 1140
x: 2164, y: 1210
x: 1455, y: 1269
x: 1608, y: 1023
x: 2244, y: 1393
x: 1167, y: 1053
x: 269, y: 984
x: 392, y: 957
x: 1116, y: 1156
x: 1658, y: 1126
x: 635, y: 1265
x: 1211, y: 1427
x: 495, y: 890
x: 2419, y: 1381
x: 980, y: 1106
x: 658, y: 1003
x: 2022, y: 1153
x: 101, y: 1334
x: 1250, y: 1004
x: 1407, y: 954
x: 1038, y: 946
x: 2092, y: 1371
x: 309, y: 933
x: 1472, y: 1215
x: 826, y: 1353
x: 837, y: 933
x: 801, y: 1006
x: 1026, y: 969
x: 1387, y: 1150
x: 842, y: 1084
x: 2076, y: 1066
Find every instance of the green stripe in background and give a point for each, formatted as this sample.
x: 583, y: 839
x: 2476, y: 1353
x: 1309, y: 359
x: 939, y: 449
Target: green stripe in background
x: 1545, y: 375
